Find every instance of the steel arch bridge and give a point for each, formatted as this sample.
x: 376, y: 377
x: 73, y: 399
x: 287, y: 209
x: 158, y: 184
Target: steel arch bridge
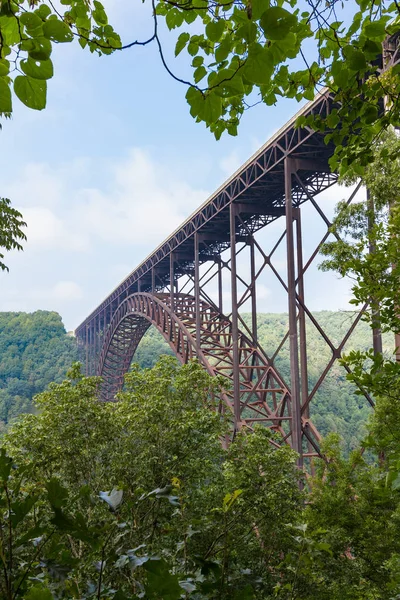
x: 180, y: 288
x: 264, y: 397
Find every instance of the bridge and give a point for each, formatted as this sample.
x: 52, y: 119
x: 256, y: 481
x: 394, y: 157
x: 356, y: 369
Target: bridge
x: 181, y: 289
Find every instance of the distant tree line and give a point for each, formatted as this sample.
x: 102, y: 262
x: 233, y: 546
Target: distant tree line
x: 36, y: 350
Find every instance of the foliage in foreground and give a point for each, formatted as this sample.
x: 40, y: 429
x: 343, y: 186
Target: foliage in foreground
x: 241, y: 53
x: 11, y: 229
x: 140, y: 499
x: 206, y: 512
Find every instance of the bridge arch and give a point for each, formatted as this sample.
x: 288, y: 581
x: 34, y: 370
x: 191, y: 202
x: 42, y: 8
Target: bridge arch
x: 130, y: 322
x: 264, y: 396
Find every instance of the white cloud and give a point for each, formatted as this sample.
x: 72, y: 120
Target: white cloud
x: 60, y: 291
x: 84, y: 238
x: 67, y: 290
x: 48, y: 231
x: 37, y: 185
x: 144, y: 202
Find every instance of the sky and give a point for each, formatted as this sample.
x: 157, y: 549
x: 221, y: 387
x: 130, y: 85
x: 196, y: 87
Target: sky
x: 113, y: 165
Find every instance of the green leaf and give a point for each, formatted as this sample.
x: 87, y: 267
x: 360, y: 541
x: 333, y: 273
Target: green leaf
x: 10, y: 31
x: 370, y: 114
x: 195, y: 100
x: 224, y: 49
x: 355, y: 59
x: 248, y: 32
x: 277, y: 22
x: 5, y: 107
x: 234, y: 86
x: 372, y: 49
x: 38, y: 69
x: 30, y: 20
x: 99, y: 14
x: 38, y: 49
x: 160, y: 583
x: 57, y: 31
x: 215, y: 29
x: 199, y: 73
x: 174, y: 18
x: 259, y: 65
x: 21, y: 508
x: 43, y: 11
x: 197, y: 61
x: 246, y: 593
x: 375, y: 29
x: 181, y: 43
x: 56, y: 493
x: 4, y: 67
x: 340, y: 74
x: 258, y: 7
x: 38, y: 592
x: 121, y: 596
x: 212, y: 108
x: 31, y: 92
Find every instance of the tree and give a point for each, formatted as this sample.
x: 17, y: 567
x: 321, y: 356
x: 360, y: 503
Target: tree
x: 367, y: 249
x: 220, y: 518
x: 140, y: 499
x: 11, y: 229
x: 241, y: 53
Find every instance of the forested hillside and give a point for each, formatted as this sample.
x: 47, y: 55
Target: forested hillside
x: 35, y: 350
x: 335, y: 407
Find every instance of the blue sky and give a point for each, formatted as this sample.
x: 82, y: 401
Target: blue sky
x: 112, y: 166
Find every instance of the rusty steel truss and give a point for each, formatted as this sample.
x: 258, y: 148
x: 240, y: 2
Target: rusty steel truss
x: 181, y: 289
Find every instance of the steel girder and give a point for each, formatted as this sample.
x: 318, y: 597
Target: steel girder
x: 264, y: 396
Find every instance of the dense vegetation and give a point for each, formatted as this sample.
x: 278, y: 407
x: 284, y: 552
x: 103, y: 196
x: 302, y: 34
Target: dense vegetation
x: 34, y: 351
x: 139, y: 499
x: 336, y: 407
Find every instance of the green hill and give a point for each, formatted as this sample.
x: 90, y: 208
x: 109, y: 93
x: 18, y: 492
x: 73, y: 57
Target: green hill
x: 35, y: 350
x: 335, y: 407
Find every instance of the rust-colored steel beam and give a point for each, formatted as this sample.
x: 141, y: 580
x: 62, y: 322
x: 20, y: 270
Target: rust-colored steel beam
x: 263, y: 395
x: 292, y: 307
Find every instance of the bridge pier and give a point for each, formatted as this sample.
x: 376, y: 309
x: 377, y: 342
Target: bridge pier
x: 234, y: 319
x: 296, y: 432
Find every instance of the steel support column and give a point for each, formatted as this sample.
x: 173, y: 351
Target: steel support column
x: 197, y: 289
x: 253, y: 292
x: 376, y: 331
x: 302, y: 316
x: 171, y: 279
x: 220, y: 303
x: 87, y: 350
x: 235, y: 334
x: 296, y: 437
